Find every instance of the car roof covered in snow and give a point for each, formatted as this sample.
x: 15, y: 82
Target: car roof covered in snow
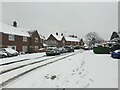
x: 72, y: 39
x: 10, y: 50
x: 9, y: 29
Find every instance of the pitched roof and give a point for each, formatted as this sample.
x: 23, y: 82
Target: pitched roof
x: 58, y: 37
x: 42, y: 37
x: 72, y: 39
x: 8, y: 29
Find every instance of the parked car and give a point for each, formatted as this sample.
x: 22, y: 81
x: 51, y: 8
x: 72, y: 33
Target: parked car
x: 86, y: 48
x: 10, y: 52
x: 69, y: 48
x: 62, y: 50
x: 52, y: 51
x: 116, y: 54
x: 3, y: 54
x: 77, y: 47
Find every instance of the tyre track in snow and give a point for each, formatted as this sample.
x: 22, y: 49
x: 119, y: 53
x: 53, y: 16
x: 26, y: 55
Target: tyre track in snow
x: 19, y: 61
x: 34, y: 62
x: 33, y: 68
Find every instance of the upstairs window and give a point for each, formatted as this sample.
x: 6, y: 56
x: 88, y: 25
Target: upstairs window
x: 25, y: 39
x: 11, y: 37
x: 36, y: 39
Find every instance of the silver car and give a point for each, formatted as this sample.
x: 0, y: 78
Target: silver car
x: 52, y: 51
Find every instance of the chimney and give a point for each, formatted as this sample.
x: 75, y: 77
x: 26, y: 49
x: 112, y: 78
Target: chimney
x: 57, y: 33
x: 75, y: 36
x: 14, y: 24
x: 61, y: 34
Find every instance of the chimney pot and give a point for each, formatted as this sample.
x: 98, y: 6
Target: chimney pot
x: 57, y: 33
x: 14, y: 24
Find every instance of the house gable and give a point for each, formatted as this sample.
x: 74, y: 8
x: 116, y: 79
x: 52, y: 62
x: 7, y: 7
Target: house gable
x: 51, y: 37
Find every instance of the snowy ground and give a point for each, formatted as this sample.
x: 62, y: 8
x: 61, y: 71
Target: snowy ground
x: 82, y: 70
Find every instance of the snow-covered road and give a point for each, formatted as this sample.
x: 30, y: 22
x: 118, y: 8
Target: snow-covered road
x: 82, y: 70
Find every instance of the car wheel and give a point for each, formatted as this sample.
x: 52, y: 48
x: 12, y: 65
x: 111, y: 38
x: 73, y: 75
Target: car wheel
x: 3, y: 56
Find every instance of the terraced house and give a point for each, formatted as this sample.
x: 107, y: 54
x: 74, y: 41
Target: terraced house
x: 60, y: 40
x: 20, y: 39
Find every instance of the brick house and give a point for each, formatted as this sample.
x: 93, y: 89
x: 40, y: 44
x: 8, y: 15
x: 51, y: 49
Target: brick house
x: 70, y: 41
x: 35, y: 42
x: 43, y: 41
x: 55, y: 40
x: 18, y: 38
x: 60, y: 40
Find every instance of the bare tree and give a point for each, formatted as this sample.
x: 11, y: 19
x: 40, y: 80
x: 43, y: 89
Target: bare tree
x: 92, y: 38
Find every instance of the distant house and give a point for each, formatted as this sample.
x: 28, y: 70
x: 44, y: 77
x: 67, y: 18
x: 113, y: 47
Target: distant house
x: 70, y: 41
x: 35, y: 42
x: 54, y: 40
x: 43, y: 41
x: 59, y: 40
x: 20, y: 39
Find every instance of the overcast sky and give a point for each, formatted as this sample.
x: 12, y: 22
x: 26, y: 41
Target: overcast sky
x: 77, y: 18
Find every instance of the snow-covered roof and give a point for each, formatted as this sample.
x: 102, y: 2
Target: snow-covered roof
x: 58, y: 37
x: 8, y: 29
x: 42, y: 37
x: 45, y: 44
x: 72, y: 39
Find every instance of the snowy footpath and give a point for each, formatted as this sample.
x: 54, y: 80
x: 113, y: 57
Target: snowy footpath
x: 80, y: 70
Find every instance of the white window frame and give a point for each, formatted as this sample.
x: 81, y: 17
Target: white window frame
x: 24, y: 48
x: 24, y: 39
x: 36, y: 39
x: 36, y: 47
x: 11, y: 37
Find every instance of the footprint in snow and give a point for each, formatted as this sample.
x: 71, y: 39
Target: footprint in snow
x: 79, y: 72
x: 77, y: 69
x: 73, y: 73
x: 91, y: 79
x: 86, y: 86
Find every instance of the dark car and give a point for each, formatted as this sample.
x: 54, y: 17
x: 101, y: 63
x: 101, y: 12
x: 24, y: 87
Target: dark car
x: 77, y: 47
x: 62, y: 50
x: 116, y: 54
x: 69, y: 48
x: 52, y: 51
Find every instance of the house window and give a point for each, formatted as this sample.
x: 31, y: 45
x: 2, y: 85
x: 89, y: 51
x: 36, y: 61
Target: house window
x: 63, y: 41
x: 11, y: 37
x: 36, y: 39
x: 24, y: 48
x: 24, y: 39
x: 36, y: 47
x: 41, y: 40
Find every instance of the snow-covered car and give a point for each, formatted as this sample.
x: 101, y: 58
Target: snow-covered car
x: 69, y: 48
x: 10, y: 52
x: 86, y: 48
x: 3, y: 54
x: 116, y: 54
x: 52, y: 51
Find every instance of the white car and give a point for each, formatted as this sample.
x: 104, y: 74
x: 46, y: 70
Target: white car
x: 10, y: 52
x: 3, y: 54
